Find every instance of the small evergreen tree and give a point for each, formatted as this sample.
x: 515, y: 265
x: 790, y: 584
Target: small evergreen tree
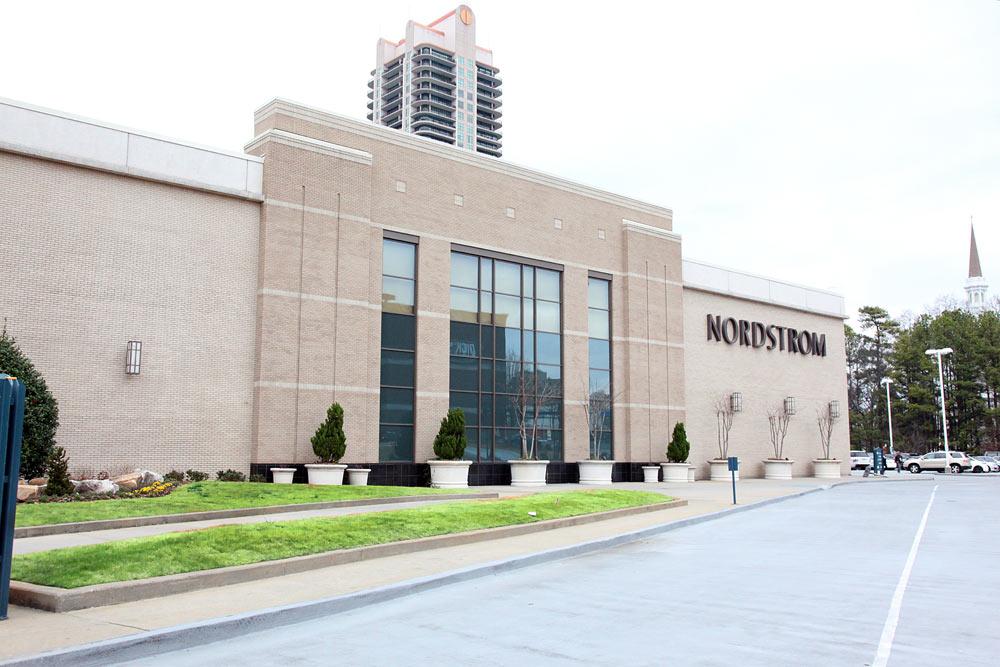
x: 449, y: 444
x: 58, y: 466
x: 330, y: 443
x: 679, y: 448
x: 41, y: 414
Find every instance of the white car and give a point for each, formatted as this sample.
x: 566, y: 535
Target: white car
x: 957, y: 462
x: 984, y: 464
x: 860, y: 460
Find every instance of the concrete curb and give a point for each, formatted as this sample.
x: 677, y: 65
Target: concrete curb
x: 146, y: 644
x: 137, y: 521
x: 50, y: 598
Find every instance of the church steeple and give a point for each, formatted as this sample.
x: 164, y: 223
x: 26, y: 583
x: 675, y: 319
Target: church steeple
x: 975, y: 285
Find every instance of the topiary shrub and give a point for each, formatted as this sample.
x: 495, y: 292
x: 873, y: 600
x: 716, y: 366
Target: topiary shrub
x: 679, y: 448
x: 41, y: 413
x: 229, y: 475
x: 58, y: 466
x: 449, y: 444
x: 330, y: 443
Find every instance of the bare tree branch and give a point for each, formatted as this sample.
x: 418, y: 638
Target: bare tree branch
x: 724, y: 418
x: 778, y: 419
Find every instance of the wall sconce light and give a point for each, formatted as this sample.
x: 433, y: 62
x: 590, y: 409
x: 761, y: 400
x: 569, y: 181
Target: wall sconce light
x: 834, y: 409
x: 736, y: 402
x: 790, y: 405
x: 133, y: 357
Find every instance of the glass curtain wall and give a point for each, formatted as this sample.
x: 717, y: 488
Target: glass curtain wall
x: 506, y: 356
x: 599, y: 332
x: 399, y: 335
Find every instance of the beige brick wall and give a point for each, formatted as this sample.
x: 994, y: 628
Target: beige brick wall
x: 92, y: 260
x: 765, y: 378
x: 370, y: 202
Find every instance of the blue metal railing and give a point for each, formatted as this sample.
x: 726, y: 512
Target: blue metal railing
x: 11, y: 422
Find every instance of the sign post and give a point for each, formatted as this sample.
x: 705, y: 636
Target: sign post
x: 11, y: 421
x: 734, y: 466
x: 878, y: 460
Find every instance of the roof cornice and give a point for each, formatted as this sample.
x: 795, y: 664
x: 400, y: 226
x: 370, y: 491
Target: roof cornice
x: 431, y: 147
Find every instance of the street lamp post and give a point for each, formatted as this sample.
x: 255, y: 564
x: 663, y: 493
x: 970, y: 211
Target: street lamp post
x: 944, y: 416
x: 888, y: 405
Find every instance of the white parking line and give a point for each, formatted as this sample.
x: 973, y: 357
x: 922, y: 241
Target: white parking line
x: 892, y: 620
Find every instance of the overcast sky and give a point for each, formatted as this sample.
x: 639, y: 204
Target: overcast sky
x: 841, y: 145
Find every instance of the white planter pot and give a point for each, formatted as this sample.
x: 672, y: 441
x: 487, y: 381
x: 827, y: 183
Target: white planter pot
x: 282, y: 475
x: 651, y: 474
x: 826, y: 468
x: 449, y: 474
x: 326, y: 474
x: 719, y: 471
x: 778, y: 469
x: 675, y: 473
x: 691, y: 474
x: 595, y: 473
x: 358, y: 476
x: 528, y: 473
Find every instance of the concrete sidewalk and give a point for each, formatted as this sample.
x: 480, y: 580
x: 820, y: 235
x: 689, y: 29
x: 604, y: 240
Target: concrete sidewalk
x: 28, y: 631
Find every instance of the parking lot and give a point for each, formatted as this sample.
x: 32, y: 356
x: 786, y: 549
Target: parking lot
x: 810, y: 581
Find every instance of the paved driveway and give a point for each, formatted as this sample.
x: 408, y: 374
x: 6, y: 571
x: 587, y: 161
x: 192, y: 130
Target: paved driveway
x: 809, y: 581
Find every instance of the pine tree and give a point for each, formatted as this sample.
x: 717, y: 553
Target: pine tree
x: 330, y: 443
x: 449, y: 444
x: 679, y: 448
x: 58, y: 466
x: 41, y: 413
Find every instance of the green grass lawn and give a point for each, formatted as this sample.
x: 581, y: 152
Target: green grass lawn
x: 224, y: 546
x: 204, y: 496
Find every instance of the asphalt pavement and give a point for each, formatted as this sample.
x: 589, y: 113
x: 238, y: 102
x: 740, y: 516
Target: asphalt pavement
x: 831, y: 578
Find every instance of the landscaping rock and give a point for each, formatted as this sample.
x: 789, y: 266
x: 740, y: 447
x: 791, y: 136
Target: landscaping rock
x: 127, y: 485
x: 100, y: 486
x: 38, y: 481
x: 132, y: 477
x: 147, y: 477
x: 28, y: 492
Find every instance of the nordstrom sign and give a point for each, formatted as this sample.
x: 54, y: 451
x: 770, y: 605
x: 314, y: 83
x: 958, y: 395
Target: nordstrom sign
x: 768, y: 336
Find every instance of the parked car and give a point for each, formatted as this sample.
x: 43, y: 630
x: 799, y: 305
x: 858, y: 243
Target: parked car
x: 860, y: 460
x: 935, y: 461
x: 984, y: 464
x: 995, y: 459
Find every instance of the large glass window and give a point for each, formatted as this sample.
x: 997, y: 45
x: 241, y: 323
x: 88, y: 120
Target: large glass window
x: 399, y: 336
x: 601, y: 396
x: 506, y: 356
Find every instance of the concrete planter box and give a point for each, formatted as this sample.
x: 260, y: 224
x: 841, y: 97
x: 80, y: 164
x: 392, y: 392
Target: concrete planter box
x: 449, y: 474
x: 358, y: 476
x: 826, y: 468
x: 282, y: 475
x: 326, y: 474
x: 719, y: 471
x: 675, y: 473
x: 596, y: 473
x: 528, y: 473
x: 778, y: 468
x: 691, y: 474
x: 651, y: 474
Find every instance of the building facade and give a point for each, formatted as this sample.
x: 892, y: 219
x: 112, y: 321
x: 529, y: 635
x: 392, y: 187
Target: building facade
x: 343, y: 261
x: 436, y: 82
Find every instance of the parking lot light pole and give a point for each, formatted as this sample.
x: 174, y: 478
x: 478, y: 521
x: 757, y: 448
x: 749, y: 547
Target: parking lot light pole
x: 944, y: 416
x: 888, y: 405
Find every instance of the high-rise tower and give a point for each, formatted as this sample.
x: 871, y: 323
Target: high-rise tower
x: 975, y: 285
x: 437, y: 83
